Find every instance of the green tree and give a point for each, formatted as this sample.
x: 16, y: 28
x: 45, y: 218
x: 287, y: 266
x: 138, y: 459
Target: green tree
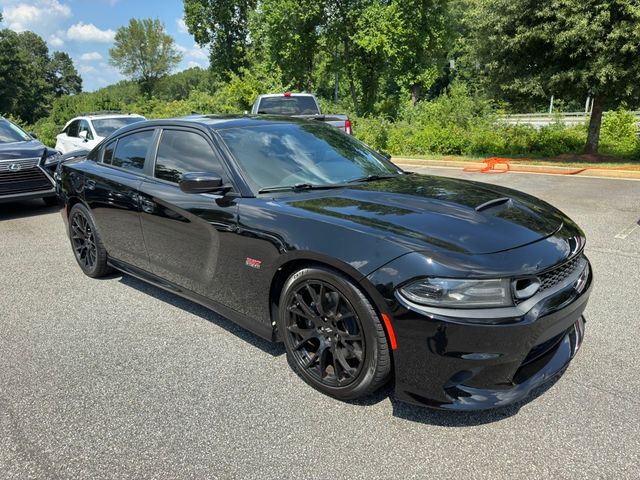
x: 222, y: 25
x: 566, y: 48
x: 63, y: 74
x: 144, y: 52
x: 291, y: 34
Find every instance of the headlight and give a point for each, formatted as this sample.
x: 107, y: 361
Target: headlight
x: 51, y: 159
x: 459, y: 293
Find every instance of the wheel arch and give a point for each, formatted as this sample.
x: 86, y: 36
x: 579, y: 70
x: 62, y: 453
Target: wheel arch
x: 297, y: 262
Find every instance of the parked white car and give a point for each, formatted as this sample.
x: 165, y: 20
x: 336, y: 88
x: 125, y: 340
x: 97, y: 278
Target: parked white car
x: 86, y: 131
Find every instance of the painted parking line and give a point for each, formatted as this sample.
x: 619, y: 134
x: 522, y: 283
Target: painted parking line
x: 625, y: 232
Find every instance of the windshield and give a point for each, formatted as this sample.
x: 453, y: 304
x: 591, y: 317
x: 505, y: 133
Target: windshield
x: 106, y: 126
x: 10, y: 133
x: 290, y: 154
x: 304, y: 105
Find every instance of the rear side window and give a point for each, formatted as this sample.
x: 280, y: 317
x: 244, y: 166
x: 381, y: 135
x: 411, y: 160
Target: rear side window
x: 73, y: 128
x: 108, y: 153
x: 180, y: 152
x: 131, y: 151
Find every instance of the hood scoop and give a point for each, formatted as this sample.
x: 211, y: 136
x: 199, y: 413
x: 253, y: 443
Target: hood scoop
x: 503, y: 202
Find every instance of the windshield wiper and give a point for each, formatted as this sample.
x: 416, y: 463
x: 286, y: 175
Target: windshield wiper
x: 298, y: 187
x: 373, y: 177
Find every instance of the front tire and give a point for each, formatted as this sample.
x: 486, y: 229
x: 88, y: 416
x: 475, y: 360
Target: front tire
x: 86, y: 243
x: 332, y: 334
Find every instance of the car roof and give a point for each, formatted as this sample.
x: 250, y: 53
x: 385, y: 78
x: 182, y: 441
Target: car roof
x: 217, y: 122
x: 287, y: 94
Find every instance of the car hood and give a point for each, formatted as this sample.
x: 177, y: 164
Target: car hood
x: 427, y: 212
x: 30, y: 149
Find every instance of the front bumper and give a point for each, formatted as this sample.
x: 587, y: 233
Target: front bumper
x: 449, y: 363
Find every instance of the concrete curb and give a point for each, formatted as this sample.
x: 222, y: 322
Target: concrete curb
x: 520, y: 167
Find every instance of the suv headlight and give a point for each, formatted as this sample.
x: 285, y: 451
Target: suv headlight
x: 53, y: 158
x: 459, y: 293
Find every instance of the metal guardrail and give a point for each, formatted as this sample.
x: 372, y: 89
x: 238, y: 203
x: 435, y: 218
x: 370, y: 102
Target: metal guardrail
x: 539, y: 120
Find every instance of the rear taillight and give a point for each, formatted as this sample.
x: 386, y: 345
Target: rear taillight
x: 287, y: 94
x: 347, y: 127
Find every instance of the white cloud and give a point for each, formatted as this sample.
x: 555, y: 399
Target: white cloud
x: 89, y: 56
x: 88, y: 32
x: 180, y: 48
x: 57, y: 39
x: 198, y: 52
x: 87, y: 69
x: 182, y: 27
x: 40, y: 16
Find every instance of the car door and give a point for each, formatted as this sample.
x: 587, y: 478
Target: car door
x: 185, y: 233
x: 112, y: 192
x: 86, y: 141
x: 68, y: 137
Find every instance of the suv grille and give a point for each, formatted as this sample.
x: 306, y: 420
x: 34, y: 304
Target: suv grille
x: 558, y: 274
x: 28, y: 179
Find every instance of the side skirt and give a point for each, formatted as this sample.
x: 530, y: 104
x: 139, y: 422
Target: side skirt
x: 262, y: 330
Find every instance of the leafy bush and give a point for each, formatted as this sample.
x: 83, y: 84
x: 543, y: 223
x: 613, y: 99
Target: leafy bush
x: 619, y: 135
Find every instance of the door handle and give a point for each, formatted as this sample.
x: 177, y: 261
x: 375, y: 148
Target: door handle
x: 90, y: 184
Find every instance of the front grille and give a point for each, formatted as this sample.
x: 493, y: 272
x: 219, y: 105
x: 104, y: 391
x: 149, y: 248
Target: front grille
x: 5, y: 165
x: 558, y: 274
x: 23, y: 181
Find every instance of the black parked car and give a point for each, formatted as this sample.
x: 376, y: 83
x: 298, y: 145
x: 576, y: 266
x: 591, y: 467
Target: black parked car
x: 469, y: 295
x: 26, y: 166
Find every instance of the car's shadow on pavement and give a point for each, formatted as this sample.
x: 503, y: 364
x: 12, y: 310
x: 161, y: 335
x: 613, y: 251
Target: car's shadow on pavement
x: 402, y: 410
x: 25, y: 209
x: 274, y: 349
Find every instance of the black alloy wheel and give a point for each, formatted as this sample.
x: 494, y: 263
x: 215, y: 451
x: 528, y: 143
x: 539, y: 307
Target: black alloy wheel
x: 332, y: 334
x: 86, y: 243
x: 326, y: 333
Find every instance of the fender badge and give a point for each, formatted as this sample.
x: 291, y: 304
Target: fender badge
x: 253, y: 263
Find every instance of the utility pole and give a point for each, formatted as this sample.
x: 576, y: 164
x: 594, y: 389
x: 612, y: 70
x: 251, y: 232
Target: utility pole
x: 551, y: 105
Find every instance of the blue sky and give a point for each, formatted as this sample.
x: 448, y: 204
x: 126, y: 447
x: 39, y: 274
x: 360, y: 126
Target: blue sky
x: 85, y: 29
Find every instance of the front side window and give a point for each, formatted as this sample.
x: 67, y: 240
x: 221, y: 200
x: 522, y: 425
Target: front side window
x: 287, y: 154
x: 180, y: 152
x: 131, y: 150
x: 10, y: 133
x: 84, y: 127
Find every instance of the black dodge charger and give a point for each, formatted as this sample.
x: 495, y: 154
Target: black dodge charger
x: 26, y: 166
x: 467, y: 295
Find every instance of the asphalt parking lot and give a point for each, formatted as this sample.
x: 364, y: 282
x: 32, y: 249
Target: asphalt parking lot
x: 114, y: 378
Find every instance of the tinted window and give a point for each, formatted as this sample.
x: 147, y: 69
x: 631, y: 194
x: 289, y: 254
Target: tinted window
x: 10, y: 133
x: 131, y: 150
x: 72, y: 129
x: 108, y: 153
x: 181, y: 152
x: 286, y: 154
x: 288, y: 105
x: 106, y: 126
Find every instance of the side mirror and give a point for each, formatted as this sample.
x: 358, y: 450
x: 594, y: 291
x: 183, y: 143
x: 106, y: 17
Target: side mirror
x: 33, y: 135
x: 201, y: 182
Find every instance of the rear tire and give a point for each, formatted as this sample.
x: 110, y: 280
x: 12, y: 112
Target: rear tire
x: 86, y: 243
x: 332, y: 334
